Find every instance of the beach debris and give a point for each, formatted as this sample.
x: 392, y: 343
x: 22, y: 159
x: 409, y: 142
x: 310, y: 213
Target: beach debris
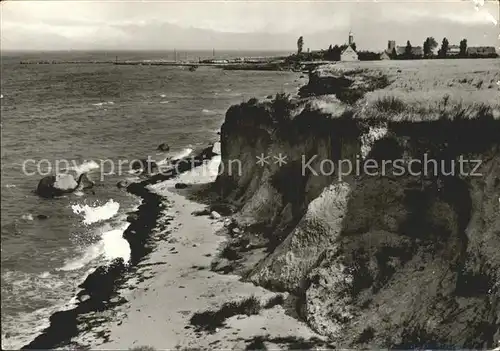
x: 215, y: 215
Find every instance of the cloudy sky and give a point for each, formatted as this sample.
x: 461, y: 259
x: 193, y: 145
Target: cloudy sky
x: 232, y: 24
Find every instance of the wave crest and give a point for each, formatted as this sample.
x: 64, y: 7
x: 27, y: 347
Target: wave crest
x: 98, y: 213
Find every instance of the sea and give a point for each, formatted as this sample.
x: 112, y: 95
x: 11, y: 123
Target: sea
x: 83, y: 118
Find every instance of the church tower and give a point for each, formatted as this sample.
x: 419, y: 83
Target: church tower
x: 351, y: 38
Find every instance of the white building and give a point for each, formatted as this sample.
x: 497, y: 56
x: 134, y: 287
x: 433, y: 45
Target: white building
x: 349, y: 54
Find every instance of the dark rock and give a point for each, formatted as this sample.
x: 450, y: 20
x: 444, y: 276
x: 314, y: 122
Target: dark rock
x: 204, y: 212
x: 84, y: 182
x: 206, y: 153
x: 181, y: 185
x: 132, y: 217
x: 215, y: 215
x: 223, y: 208
x: 60, y: 184
x: 42, y: 216
x: 147, y: 166
x: 163, y: 147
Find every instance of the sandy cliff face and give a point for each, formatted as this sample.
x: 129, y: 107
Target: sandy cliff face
x: 387, y: 260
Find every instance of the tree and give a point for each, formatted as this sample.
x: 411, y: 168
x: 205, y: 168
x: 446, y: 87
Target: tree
x: 444, y: 48
x: 463, y: 47
x: 300, y: 45
x: 429, y: 45
x: 353, y: 46
x: 394, y: 54
x: 408, y: 50
x: 333, y: 53
x: 330, y: 47
x: 336, y: 53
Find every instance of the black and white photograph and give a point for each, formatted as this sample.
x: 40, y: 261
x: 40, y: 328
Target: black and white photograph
x: 250, y: 174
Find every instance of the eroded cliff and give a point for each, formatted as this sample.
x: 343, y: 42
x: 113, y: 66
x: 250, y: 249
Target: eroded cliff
x: 390, y: 256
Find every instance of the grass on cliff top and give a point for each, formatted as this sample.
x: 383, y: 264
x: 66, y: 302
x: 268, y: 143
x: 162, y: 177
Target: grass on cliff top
x: 428, y: 75
x: 397, y: 105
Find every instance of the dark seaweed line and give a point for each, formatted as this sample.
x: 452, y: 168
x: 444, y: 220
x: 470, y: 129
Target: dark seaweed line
x: 101, y: 286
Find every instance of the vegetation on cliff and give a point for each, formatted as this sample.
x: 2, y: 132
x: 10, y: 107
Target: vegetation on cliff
x: 376, y: 261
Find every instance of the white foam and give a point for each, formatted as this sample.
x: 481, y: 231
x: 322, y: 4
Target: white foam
x: 44, y: 275
x: 205, y: 173
x: 27, y: 217
x: 85, y: 167
x: 184, y: 153
x: 207, y: 111
x: 110, y: 246
x: 90, y: 254
x: 163, y: 95
x: 10, y: 185
x: 115, y: 246
x: 97, y: 213
x: 164, y: 102
x: 104, y: 103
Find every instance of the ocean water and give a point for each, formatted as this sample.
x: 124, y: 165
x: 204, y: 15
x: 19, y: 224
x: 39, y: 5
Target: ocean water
x: 92, y: 115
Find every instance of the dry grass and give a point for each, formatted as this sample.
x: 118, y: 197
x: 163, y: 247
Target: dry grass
x: 429, y: 75
x: 400, y: 105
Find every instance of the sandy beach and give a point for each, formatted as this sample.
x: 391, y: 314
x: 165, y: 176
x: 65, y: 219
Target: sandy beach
x: 179, y: 283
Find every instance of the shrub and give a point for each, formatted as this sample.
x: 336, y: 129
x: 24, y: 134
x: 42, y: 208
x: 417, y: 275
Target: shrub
x: 390, y: 104
x: 282, y: 107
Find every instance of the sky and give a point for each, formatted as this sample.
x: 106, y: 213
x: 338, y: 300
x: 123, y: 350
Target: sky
x: 242, y: 25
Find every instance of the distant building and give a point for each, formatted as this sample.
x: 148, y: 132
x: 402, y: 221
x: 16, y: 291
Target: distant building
x: 481, y: 50
x: 416, y: 51
x: 391, y: 45
x: 385, y: 56
x: 349, y: 54
x: 453, y: 50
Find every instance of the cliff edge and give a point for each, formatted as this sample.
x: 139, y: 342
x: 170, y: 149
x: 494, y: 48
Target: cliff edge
x: 377, y: 201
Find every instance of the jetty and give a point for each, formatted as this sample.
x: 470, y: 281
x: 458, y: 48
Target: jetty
x: 242, y: 63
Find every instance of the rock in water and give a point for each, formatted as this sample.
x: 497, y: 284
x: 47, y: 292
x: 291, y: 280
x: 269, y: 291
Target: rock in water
x: 147, y: 166
x: 65, y: 182
x: 163, y: 147
x: 60, y: 184
x: 84, y: 182
x: 181, y: 185
x: 51, y: 186
x: 42, y: 216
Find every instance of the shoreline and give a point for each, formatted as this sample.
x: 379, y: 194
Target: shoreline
x: 182, y: 303
x: 101, y: 286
